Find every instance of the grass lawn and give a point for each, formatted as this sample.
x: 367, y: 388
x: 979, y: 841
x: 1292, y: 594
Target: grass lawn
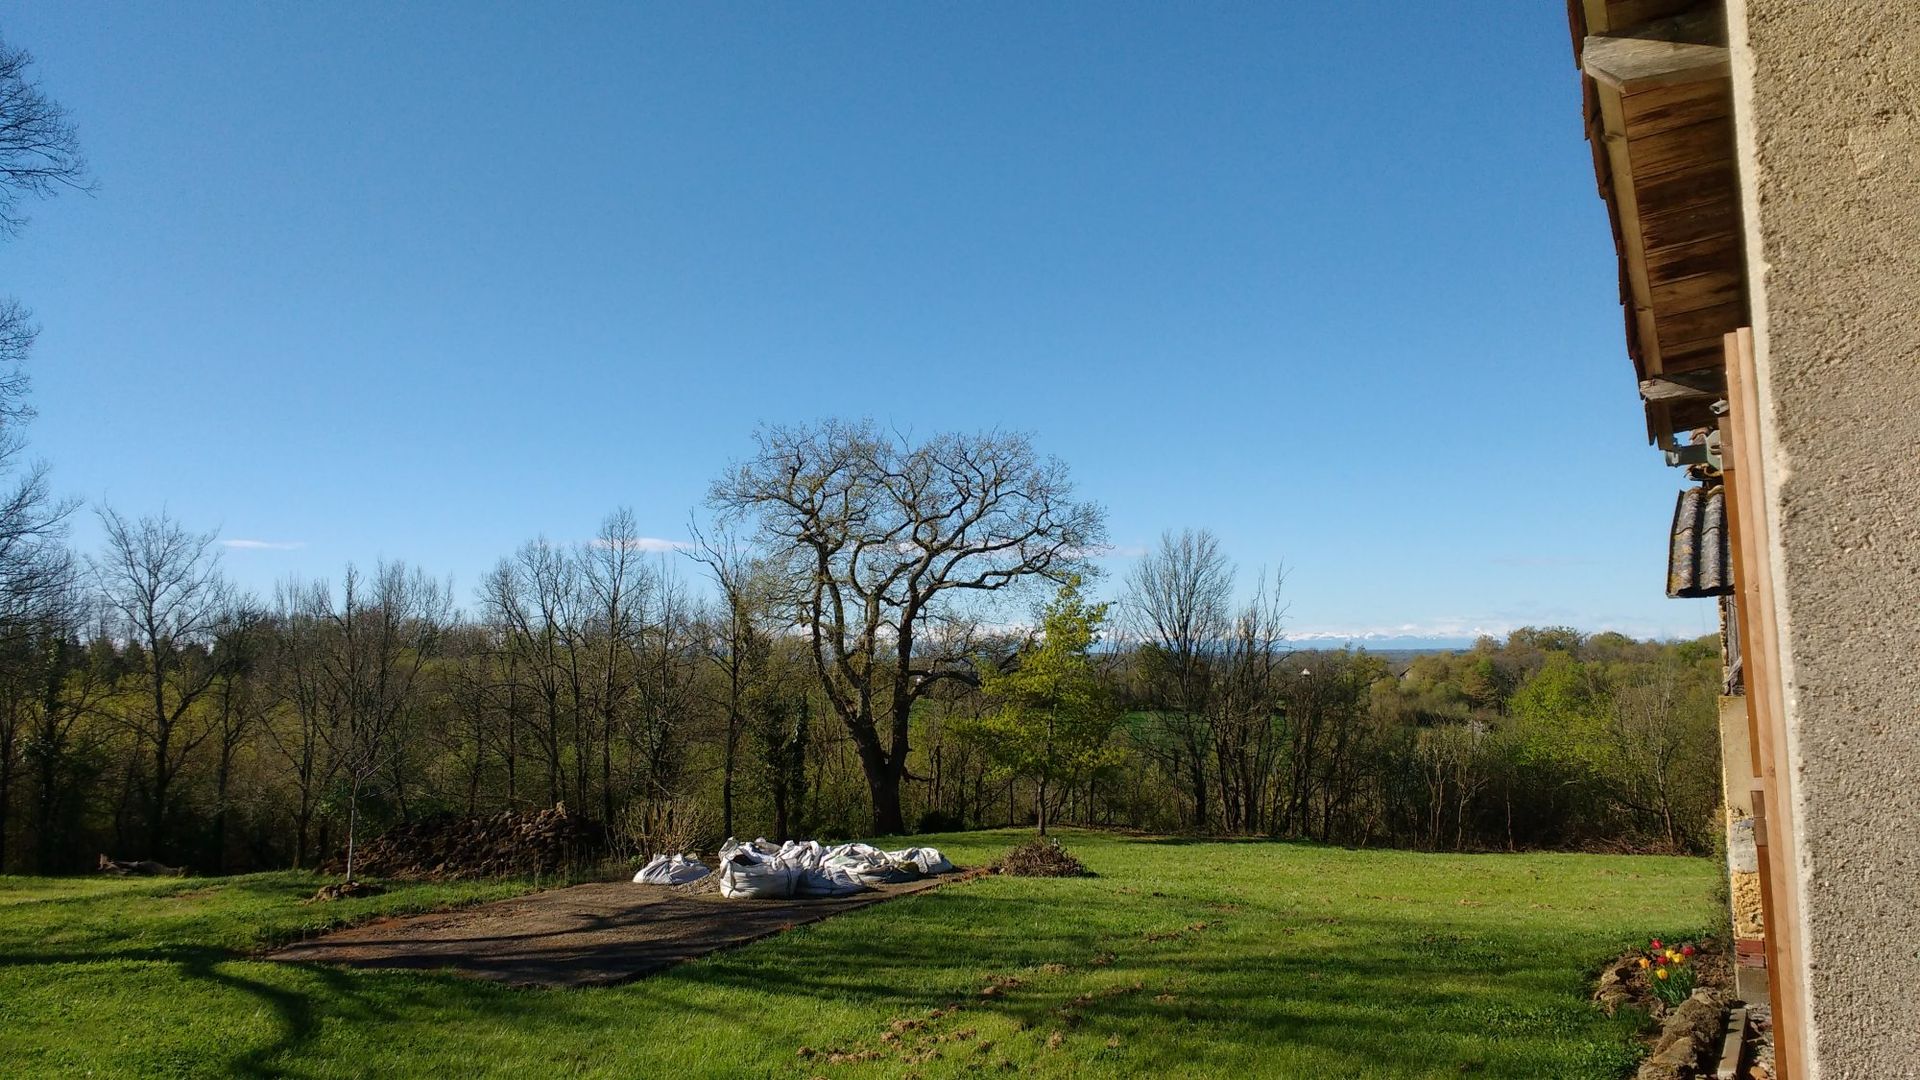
x: 1181, y: 958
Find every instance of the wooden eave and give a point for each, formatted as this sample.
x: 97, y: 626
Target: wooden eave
x: 1659, y: 116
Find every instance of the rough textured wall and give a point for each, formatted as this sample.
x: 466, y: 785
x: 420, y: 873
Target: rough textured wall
x: 1736, y: 789
x: 1828, y: 96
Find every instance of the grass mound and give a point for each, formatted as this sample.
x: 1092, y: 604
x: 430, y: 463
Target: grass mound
x: 1042, y: 857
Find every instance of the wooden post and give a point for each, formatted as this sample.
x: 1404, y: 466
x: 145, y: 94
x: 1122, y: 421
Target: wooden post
x: 1741, y: 457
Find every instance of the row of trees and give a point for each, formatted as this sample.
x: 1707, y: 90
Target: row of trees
x: 159, y: 712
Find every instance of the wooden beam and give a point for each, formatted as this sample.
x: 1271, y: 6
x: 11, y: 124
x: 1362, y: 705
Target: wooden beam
x: 1626, y: 206
x: 1631, y: 64
x: 1635, y: 12
x: 1685, y: 224
x: 1676, y: 295
x: 1742, y: 453
x: 1715, y: 253
x: 1679, y: 328
x: 1680, y: 149
x: 1653, y: 111
x: 1692, y: 386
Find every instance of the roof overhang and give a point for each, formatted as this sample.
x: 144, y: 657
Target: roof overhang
x: 1659, y: 115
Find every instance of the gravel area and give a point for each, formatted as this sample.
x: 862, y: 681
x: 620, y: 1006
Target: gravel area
x: 586, y: 935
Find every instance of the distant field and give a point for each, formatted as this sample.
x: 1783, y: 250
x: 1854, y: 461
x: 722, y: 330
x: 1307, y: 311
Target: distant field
x: 1181, y: 958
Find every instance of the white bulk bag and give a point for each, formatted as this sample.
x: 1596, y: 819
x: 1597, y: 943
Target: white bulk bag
x: 671, y: 870
x: 749, y: 874
x: 870, y: 866
x: 759, y: 845
x: 927, y: 860
x: 813, y: 876
x: 823, y: 880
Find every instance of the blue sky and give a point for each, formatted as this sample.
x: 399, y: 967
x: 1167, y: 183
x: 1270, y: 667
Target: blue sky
x: 424, y: 281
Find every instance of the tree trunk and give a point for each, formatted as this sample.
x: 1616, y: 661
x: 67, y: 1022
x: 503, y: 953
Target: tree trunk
x: 882, y: 770
x: 303, y: 822
x: 353, y: 824
x: 6, y: 793
x: 163, y: 737
x: 885, y: 785
x: 1198, y: 774
x: 157, y: 827
x: 606, y: 774
x: 1040, y: 811
x: 221, y: 780
x: 726, y: 786
x: 45, y: 803
x: 779, y: 812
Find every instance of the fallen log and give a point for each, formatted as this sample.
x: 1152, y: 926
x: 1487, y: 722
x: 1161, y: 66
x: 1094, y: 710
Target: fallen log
x: 139, y: 868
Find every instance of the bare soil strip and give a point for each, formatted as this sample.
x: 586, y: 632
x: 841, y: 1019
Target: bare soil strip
x: 586, y: 935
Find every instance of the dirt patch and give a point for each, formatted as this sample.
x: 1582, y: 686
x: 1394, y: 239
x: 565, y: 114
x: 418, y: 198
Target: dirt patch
x: 587, y: 935
x: 1041, y: 857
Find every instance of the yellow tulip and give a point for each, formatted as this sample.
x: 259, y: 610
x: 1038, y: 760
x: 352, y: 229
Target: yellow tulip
x: 1662, y: 973
x: 1644, y: 961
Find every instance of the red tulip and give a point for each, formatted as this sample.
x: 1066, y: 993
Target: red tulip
x: 1655, y: 944
x: 1686, y: 950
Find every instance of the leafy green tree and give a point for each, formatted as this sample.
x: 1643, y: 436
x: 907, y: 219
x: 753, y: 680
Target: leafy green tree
x: 1055, y: 715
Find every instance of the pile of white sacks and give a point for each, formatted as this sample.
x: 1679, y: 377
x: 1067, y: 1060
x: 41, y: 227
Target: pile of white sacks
x: 671, y: 870
x: 761, y: 869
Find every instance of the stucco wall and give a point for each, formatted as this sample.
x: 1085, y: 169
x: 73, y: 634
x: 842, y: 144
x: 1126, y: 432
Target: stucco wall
x: 1827, y: 98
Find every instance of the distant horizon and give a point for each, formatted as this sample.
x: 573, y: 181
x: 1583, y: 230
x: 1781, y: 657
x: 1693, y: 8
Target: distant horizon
x: 1109, y: 585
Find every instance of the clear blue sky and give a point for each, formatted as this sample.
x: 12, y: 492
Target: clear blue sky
x: 1328, y: 278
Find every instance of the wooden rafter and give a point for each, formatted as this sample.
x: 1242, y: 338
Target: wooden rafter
x: 1660, y: 114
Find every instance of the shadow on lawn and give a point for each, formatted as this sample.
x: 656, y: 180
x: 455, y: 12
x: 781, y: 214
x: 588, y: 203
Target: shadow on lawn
x: 1406, y: 999
x: 294, y: 1010
x: 1418, y: 996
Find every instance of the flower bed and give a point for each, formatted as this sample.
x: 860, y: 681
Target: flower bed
x: 1684, y: 985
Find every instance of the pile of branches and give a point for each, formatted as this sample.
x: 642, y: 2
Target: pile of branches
x: 1041, y: 857
x: 508, y: 844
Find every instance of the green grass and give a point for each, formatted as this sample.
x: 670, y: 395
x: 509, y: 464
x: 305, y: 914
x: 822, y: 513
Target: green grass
x: 1312, y: 962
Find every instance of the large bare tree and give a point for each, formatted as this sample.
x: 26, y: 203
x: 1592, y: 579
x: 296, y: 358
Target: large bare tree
x: 894, y: 550
x: 617, y: 582
x: 161, y: 584
x: 39, y: 148
x: 1177, y: 609
x: 733, y: 643
x: 39, y: 156
x: 375, y: 638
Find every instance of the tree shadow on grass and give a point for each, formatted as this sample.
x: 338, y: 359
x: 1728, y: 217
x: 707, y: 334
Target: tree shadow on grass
x: 293, y: 1010
x: 1399, y: 998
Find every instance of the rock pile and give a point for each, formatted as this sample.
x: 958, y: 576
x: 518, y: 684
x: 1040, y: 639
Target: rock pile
x: 506, y: 844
